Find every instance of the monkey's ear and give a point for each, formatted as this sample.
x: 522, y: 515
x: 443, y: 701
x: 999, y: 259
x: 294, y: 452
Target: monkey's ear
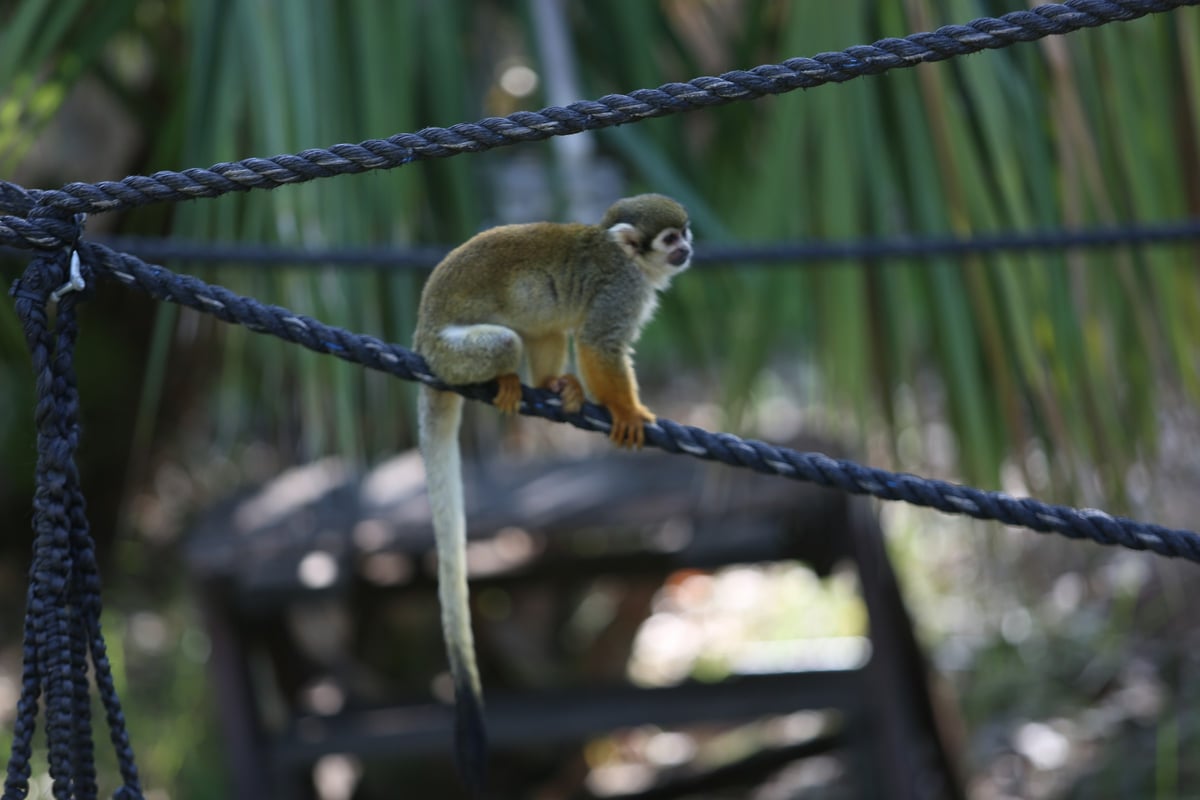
x: 628, y: 237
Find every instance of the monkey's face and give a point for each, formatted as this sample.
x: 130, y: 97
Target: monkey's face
x: 674, y: 247
x: 653, y: 232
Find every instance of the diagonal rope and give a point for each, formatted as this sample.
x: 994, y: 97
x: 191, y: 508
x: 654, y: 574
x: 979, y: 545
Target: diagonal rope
x: 671, y: 436
x: 615, y: 109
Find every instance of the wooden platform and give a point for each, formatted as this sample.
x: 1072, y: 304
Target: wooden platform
x: 303, y: 583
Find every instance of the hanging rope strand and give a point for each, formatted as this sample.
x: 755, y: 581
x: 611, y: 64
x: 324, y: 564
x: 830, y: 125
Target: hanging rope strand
x: 62, y: 627
x: 50, y: 611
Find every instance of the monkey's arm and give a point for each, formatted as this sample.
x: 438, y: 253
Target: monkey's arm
x: 609, y: 375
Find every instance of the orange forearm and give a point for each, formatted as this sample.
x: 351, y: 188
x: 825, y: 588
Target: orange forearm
x: 611, y: 380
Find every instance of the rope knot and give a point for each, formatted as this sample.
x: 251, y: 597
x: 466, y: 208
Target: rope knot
x: 55, y: 274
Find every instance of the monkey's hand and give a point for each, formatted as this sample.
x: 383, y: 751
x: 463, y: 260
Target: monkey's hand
x: 627, y: 425
x: 569, y: 390
x: 610, y: 377
x: 508, y: 397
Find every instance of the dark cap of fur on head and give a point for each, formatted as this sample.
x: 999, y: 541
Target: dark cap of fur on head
x: 649, y: 213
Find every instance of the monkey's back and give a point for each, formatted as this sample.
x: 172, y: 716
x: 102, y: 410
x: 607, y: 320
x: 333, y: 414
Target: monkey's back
x: 534, y: 277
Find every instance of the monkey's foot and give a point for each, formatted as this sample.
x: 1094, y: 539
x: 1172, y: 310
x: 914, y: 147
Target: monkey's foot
x: 569, y: 390
x: 627, y: 427
x: 508, y: 397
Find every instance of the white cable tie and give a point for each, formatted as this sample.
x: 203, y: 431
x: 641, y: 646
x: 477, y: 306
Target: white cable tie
x: 75, y: 282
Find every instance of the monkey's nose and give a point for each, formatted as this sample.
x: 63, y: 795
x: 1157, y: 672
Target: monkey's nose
x: 679, y: 256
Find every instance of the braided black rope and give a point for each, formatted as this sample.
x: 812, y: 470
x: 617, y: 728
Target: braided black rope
x: 670, y: 436
x: 62, y: 622
x: 615, y: 109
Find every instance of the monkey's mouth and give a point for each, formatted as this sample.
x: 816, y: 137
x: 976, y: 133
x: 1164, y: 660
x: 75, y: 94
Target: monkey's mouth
x: 679, y: 256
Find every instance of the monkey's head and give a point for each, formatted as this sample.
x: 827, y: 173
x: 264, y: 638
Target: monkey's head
x: 653, y: 230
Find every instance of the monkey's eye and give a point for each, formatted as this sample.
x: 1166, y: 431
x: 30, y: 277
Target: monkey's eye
x: 670, y: 239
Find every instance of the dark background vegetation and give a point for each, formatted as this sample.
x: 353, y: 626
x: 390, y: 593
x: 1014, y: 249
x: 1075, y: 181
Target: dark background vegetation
x: 1069, y: 376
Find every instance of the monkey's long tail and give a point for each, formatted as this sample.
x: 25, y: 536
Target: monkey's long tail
x: 439, y: 414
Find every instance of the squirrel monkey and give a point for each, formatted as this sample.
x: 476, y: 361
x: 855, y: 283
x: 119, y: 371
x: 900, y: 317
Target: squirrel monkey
x: 524, y: 288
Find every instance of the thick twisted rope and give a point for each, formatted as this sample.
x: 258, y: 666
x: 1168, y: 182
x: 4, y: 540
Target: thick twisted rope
x: 670, y: 436
x: 615, y: 109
